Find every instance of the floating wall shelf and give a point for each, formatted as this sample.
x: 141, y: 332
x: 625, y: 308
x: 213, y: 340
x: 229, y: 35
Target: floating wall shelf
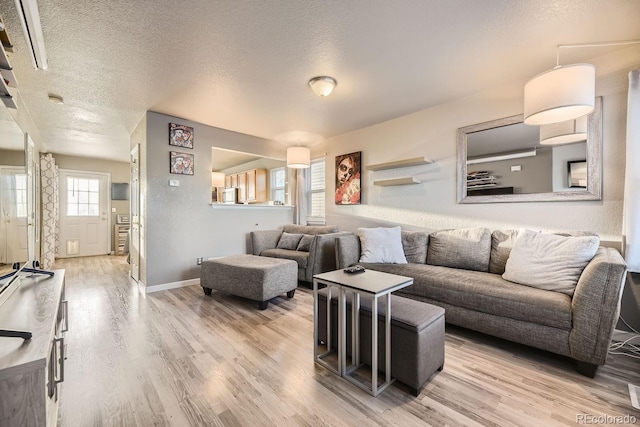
x: 396, y: 181
x: 416, y: 161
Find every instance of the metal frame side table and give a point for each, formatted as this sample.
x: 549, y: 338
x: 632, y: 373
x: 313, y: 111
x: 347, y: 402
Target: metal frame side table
x: 375, y: 284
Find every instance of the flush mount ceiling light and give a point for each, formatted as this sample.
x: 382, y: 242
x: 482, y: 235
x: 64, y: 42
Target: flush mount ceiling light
x: 322, y: 85
x: 564, y: 132
x: 32, y: 28
x: 298, y: 157
x: 565, y: 92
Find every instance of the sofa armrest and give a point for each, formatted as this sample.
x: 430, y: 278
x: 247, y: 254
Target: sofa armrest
x: 264, y: 239
x: 596, y: 305
x: 347, y: 250
x: 322, y: 254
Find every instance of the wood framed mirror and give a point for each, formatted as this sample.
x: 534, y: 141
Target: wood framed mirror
x: 502, y: 161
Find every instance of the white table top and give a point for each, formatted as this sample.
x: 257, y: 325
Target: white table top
x: 372, y: 282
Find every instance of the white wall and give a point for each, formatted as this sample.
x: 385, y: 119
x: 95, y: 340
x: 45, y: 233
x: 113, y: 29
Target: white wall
x: 432, y: 133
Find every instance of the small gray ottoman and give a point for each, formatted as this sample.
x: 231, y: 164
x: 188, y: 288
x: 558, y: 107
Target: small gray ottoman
x: 254, y: 277
x: 417, y: 336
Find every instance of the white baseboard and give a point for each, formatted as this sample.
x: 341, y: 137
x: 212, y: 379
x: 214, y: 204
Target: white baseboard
x: 172, y: 285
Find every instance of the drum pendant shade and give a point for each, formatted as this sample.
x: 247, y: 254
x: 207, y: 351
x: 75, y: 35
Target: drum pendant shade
x: 559, y: 95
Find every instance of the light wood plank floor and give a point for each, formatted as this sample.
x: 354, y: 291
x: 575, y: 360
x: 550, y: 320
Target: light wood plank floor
x: 180, y: 358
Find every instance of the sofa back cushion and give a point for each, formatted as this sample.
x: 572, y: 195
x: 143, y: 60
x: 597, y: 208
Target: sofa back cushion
x: 468, y: 249
x: 501, y: 244
x: 381, y: 245
x: 309, y: 229
x: 414, y: 244
x: 305, y: 242
x: 289, y: 241
x: 549, y: 261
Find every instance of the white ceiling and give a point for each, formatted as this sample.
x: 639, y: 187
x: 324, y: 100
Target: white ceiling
x: 244, y: 65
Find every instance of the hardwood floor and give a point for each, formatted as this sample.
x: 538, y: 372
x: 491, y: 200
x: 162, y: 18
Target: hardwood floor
x: 180, y: 358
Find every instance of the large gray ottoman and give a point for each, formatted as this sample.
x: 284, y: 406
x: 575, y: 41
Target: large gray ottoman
x: 254, y: 277
x: 417, y: 336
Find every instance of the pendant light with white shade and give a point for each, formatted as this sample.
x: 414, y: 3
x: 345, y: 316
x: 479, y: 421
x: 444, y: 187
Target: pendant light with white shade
x: 565, y: 92
x: 298, y: 157
x: 568, y: 132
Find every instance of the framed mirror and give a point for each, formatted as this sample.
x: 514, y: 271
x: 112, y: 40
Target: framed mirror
x: 14, y: 242
x: 503, y: 161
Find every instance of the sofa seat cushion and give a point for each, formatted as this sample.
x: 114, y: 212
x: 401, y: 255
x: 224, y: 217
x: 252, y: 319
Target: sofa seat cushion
x: 302, y: 258
x: 484, y: 292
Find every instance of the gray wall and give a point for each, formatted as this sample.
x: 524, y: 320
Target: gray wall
x: 630, y: 305
x: 561, y: 155
x: 181, y: 225
x: 12, y: 157
x: 535, y: 176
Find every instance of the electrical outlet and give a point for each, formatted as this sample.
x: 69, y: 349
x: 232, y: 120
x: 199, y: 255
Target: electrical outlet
x: 199, y: 261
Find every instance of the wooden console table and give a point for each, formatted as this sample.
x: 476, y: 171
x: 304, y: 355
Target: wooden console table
x: 31, y: 370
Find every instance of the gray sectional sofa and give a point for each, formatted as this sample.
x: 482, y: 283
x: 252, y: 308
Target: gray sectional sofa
x: 312, y: 247
x: 468, y: 284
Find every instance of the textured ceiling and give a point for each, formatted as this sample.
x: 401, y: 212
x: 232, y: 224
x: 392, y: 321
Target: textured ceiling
x: 244, y: 65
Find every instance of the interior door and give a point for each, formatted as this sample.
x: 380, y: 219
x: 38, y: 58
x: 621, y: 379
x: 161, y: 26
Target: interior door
x: 31, y: 198
x: 13, y: 207
x: 84, y: 218
x: 134, y: 244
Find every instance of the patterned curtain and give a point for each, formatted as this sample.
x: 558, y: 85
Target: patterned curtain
x: 631, y: 217
x: 50, y: 230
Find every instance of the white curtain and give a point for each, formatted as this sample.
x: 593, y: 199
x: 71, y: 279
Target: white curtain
x: 301, y: 196
x: 631, y: 216
x: 50, y: 230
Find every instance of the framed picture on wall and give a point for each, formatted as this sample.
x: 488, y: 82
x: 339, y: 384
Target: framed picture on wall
x: 577, y: 173
x: 348, y: 189
x: 181, y: 163
x: 180, y: 135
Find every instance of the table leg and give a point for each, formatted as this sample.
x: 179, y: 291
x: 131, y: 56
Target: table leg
x: 329, y: 318
x: 356, y: 328
x: 374, y: 346
x: 388, y: 341
x: 342, y: 332
x: 315, y: 319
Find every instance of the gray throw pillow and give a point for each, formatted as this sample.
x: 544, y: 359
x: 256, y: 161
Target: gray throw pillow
x: 501, y: 244
x: 305, y: 243
x: 414, y: 244
x: 289, y: 241
x: 467, y: 249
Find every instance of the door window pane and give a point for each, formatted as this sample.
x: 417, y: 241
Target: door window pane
x: 83, y: 197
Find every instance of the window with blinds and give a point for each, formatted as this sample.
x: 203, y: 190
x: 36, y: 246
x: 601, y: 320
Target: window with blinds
x: 316, y: 194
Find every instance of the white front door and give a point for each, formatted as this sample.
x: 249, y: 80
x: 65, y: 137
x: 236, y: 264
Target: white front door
x: 84, y: 218
x: 13, y: 207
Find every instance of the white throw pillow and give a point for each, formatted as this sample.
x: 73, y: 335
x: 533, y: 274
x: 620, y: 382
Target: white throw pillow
x: 549, y: 261
x: 381, y: 245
